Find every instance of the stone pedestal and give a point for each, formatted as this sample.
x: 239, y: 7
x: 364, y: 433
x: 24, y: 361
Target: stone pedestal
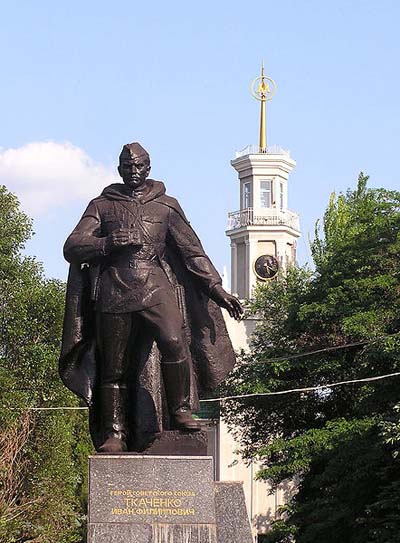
x: 163, y: 499
x: 230, y: 508
x: 175, y: 443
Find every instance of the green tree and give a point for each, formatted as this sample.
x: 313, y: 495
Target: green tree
x: 340, y: 443
x: 42, y: 453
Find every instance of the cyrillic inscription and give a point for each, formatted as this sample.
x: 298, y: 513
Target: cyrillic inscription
x: 145, y: 502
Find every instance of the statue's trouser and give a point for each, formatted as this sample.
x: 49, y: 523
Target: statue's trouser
x: 115, y: 339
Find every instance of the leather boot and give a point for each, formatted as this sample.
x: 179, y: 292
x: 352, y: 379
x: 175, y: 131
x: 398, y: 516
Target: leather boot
x: 113, y: 400
x: 176, y: 378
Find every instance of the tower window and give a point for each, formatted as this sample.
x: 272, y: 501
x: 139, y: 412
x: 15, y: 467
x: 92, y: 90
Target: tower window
x: 281, y: 195
x: 246, y: 195
x: 266, y: 193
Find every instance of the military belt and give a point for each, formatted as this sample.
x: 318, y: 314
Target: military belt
x: 134, y: 262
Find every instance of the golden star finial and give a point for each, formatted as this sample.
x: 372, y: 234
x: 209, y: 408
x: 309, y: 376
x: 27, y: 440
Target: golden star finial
x: 265, y: 90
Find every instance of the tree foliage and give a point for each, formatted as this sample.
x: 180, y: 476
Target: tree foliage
x: 42, y: 453
x: 339, y: 442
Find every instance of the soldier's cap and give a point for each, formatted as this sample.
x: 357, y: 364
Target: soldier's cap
x: 133, y: 149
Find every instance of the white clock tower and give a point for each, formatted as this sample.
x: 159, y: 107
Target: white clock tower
x: 264, y: 231
x: 263, y: 236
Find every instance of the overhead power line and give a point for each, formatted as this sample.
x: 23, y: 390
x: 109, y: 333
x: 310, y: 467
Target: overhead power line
x: 319, y: 351
x: 240, y: 396
x: 61, y: 408
x: 306, y: 389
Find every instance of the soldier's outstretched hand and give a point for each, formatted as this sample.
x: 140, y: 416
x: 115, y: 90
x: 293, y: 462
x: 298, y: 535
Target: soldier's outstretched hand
x: 227, y: 301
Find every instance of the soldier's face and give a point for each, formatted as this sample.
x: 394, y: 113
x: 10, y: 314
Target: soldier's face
x: 134, y: 170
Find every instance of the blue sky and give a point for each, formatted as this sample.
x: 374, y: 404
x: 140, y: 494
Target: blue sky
x: 80, y: 79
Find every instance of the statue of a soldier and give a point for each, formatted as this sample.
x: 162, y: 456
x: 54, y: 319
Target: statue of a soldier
x: 142, y: 294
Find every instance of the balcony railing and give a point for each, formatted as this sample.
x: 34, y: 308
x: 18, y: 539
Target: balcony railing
x: 263, y: 217
x: 255, y: 150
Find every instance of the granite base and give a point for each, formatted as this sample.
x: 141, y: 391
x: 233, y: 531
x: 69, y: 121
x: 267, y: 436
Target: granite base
x: 163, y: 499
x: 176, y: 443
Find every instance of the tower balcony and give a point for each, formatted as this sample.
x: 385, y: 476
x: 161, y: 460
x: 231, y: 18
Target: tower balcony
x: 255, y: 150
x: 263, y: 217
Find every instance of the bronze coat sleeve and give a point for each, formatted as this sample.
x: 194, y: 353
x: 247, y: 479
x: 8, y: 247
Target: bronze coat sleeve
x: 191, y: 251
x: 84, y: 243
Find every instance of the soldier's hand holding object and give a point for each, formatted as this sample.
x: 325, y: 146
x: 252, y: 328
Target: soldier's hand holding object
x: 121, y: 238
x: 227, y: 301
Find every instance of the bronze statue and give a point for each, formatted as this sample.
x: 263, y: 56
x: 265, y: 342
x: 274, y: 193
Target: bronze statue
x: 141, y: 294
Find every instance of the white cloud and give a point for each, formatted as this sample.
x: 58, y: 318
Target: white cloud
x: 46, y: 175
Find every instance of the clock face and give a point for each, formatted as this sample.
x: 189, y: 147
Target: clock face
x: 266, y: 267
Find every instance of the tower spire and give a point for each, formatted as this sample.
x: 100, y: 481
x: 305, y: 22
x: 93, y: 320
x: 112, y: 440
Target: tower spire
x: 262, y: 87
x: 265, y: 90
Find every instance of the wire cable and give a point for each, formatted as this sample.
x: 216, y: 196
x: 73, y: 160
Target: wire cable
x: 319, y: 351
x: 240, y: 396
x: 306, y: 389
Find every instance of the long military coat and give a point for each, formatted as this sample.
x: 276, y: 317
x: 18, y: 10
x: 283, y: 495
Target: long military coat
x: 97, y: 282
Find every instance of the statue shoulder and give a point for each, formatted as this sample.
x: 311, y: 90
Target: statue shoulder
x: 101, y: 201
x: 172, y: 203
x: 95, y: 207
x: 98, y: 200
